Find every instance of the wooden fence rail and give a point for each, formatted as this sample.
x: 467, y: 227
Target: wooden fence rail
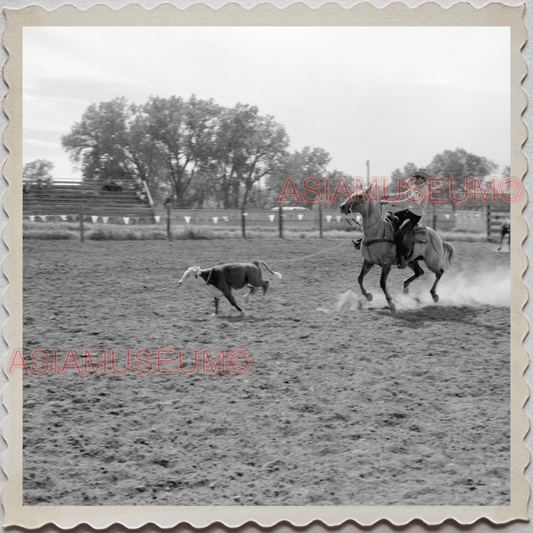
x: 321, y: 219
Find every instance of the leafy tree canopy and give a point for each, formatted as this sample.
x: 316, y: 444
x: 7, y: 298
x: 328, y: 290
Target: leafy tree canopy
x: 193, y: 152
x: 458, y: 173
x: 38, y: 172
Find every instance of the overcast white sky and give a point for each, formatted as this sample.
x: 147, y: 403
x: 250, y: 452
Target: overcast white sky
x: 389, y: 95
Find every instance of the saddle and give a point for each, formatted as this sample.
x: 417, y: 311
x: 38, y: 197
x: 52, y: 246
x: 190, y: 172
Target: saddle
x: 419, y: 234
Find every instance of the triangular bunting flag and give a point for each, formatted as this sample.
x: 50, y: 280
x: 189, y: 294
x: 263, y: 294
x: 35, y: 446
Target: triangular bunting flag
x: 105, y: 219
x: 300, y: 217
x: 126, y: 220
x: 447, y: 216
x: 187, y: 219
x: 63, y: 217
x: 94, y: 218
x: 271, y: 217
x: 215, y: 219
x: 157, y: 218
x: 43, y: 217
x: 32, y: 217
x: 338, y: 218
x: 328, y: 218
x: 225, y: 219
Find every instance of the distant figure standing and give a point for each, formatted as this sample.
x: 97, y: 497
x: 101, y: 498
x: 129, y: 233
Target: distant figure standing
x: 506, y: 230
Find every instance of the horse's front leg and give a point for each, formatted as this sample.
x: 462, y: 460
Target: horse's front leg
x: 385, y: 270
x: 365, y: 269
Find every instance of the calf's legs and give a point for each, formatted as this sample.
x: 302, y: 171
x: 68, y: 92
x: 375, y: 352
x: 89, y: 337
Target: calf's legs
x: 232, y: 301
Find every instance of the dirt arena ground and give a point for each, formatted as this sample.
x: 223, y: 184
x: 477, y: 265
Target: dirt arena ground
x: 344, y: 404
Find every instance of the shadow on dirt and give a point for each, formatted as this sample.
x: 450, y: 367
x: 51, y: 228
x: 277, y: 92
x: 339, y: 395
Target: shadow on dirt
x: 231, y: 318
x: 417, y: 318
x: 239, y: 318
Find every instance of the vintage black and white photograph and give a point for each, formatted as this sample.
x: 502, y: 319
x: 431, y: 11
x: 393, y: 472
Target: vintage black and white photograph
x: 267, y: 265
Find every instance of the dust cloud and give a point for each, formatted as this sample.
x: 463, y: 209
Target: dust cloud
x: 460, y: 289
x: 475, y: 289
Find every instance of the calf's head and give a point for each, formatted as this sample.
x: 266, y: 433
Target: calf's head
x: 191, y: 277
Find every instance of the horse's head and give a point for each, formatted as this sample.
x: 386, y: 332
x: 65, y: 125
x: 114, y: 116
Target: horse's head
x: 354, y: 204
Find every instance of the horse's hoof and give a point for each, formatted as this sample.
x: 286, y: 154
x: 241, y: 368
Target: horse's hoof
x: 392, y: 308
x: 435, y: 297
x: 405, y: 290
x: 369, y: 297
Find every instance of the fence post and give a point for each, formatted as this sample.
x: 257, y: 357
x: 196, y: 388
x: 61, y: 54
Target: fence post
x: 320, y: 225
x: 82, y: 235
x: 488, y: 222
x: 280, y: 214
x: 168, y: 222
x: 243, y: 223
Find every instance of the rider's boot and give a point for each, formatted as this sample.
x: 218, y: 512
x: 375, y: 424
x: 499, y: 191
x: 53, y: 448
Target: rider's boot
x: 401, y: 250
x: 357, y: 243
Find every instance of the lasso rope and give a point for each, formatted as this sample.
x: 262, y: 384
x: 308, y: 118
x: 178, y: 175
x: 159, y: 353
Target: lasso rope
x: 280, y: 261
x: 360, y: 226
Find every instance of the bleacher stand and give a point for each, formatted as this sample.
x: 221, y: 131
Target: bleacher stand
x: 62, y: 198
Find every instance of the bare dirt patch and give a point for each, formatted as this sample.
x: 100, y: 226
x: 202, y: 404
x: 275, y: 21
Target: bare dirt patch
x: 344, y: 403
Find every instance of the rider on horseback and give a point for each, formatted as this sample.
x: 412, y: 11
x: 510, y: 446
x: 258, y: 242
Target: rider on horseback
x: 413, y: 204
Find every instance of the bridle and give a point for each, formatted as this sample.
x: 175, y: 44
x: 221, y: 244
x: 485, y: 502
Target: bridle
x: 352, y: 203
x: 359, y: 223
x: 363, y: 228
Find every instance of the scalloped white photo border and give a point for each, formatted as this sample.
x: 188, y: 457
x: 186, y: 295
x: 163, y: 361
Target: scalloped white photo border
x: 395, y: 14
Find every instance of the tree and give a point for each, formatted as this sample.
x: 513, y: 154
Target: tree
x: 309, y: 163
x: 97, y: 144
x: 247, y: 148
x: 38, y: 172
x: 228, y: 157
x: 506, y: 171
x: 400, y: 178
x: 194, y: 150
x: 183, y: 133
x: 111, y: 143
x: 458, y: 170
x: 341, y: 186
x: 263, y: 152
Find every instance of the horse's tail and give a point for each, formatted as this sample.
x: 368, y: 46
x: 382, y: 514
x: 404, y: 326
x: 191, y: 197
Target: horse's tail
x: 448, y: 254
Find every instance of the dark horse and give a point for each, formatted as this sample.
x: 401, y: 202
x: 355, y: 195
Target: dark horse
x: 378, y: 247
x: 505, y: 230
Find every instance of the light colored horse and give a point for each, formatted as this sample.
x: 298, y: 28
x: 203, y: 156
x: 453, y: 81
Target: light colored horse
x: 378, y: 248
